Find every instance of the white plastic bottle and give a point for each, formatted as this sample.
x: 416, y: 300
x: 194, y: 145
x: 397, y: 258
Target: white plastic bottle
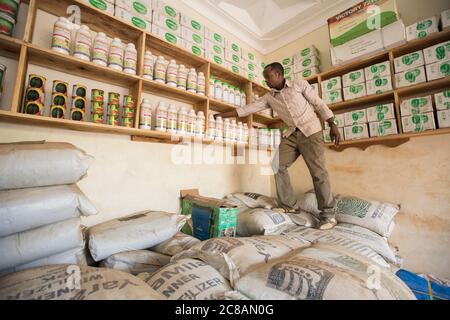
x: 233, y: 129
x: 182, y: 77
x: 201, y: 84
x: 240, y: 132
x: 160, y: 70
x: 172, y: 117
x: 100, y: 50
x: 243, y: 99
x: 219, y: 129
x: 182, y: 121
x: 192, y: 81
x: 231, y: 95
x: 276, y: 138
x: 130, y: 59
x: 225, y: 92
x: 161, y: 117
x: 171, y: 76
x: 237, y: 97
x: 149, y: 63
x: 211, y: 87
x: 253, y: 137
x: 192, y: 119
x: 246, y: 133
x: 262, y: 138
x: 145, y: 118
x: 115, y: 59
x: 83, y: 44
x: 200, y: 125
x: 227, y: 130
x: 211, y: 134
x: 218, y: 90
x: 62, y: 36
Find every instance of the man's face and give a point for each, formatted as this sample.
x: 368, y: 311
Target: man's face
x: 273, y: 78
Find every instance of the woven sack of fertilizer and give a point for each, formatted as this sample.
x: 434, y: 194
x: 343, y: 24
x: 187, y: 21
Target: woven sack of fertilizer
x: 38, y: 164
x: 255, y: 200
x: 71, y: 282
x: 136, y: 261
x: 178, y: 243
x: 304, y: 218
x: 259, y: 221
x: 24, y: 209
x: 323, y: 273
x: 34, y: 244
x: 137, y: 231
x: 234, y: 257
x: 188, y: 279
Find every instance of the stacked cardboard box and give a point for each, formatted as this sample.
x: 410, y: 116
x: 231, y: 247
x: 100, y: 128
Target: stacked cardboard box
x: 354, y: 84
x: 306, y: 62
x: 422, y: 28
x: 442, y: 103
x: 417, y: 114
x: 192, y: 35
x: 437, y: 61
x: 339, y: 121
x: 332, y: 90
x: 409, y: 69
x: 378, y: 78
x: 382, y: 121
x: 166, y: 22
x: 135, y: 12
x: 356, y: 125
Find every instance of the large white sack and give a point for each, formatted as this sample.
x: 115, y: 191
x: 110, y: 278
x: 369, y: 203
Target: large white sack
x: 179, y: 242
x: 255, y: 200
x: 189, y: 279
x: 34, y: 244
x: 137, y: 231
x: 234, y: 257
x: 258, y: 221
x: 72, y: 282
x: 323, y: 273
x: 24, y: 209
x: 37, y: 164
x: 73, y: 256
x: 136, y: 261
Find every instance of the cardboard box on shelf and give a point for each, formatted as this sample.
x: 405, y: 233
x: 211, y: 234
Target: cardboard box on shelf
x: 379, y: 85
x: 331, y: 84
x: 355, y: 91
x: 443, y: 117
x: 409, y: 61
x: 234, y: 68
x: 232, y: 46
x: 288, y: 61
x: 167, y: 35
x: 165, y: 22
x: 192, y: 36
x: 410, y: 77
x: 105, y: 6
x: 211, y: 56
x: 307, y: 73
x: 445, y: 19
x: 212, y: 46
x: 327, y: 137
x: 249, y: 66
x: 394, y: 35
x: 331, y: 97
x: 192, y: 47
x: 288, y: 71
x: 308, y: 63
x: 138, y: 8
x: 438, y: 70
x: 192, y: 24
x: 418, y: 122
x: 422, y: 28
x: 355, y: 117
x: 442, y: 100
x: 132, y: 19
x: 357, y: 131
x: 305, y: 53
x: 377, y: 70
x: 383, y: 128
x: 380, y: 112
x: 215, y: 37
x: 164, y: 8
x: 416, y: 105
x: 436, y: 53
x: 233, y: 58
x: 248, y: 56
x: 353, y: 77
x: 339, y: 120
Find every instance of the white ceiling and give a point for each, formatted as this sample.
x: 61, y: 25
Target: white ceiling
x: 268, y: 25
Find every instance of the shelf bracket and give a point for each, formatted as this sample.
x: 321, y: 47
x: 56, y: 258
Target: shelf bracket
x: 363, y: 145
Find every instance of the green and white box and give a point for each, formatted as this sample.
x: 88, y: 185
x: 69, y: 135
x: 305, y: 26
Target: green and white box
x: 378, y: 70
x: 288, y: 61
x: 333, y: 96
x: 192, y: 24
x: 422, y: 28
x: 308, y: 63
x: 192, y: 47
x: 249, y: 56
x: 232, y: 46
x: 379, y: 85
x: 439, y: 52
x: 438, y: 70
x: 339, y: 120
x: 443, y: 117
x: 332, y: 84
x: 409, y: 61
x: 353, y: 77
x: 394, y: 35
x: 288, y: 71
x: 383, y: 128
x: 234, y: 68
x: 167, y: 35
x: 211, y: 46
x: 233, y: 58
x: 133, y: 20
x: 410, y: 77
x: 380, y: 112
x: 249, y: 66
x: 217, y: 59
x: 445, y: 19
x: 418, y: 122
x: 417, y: 105
x: 215, y: 37
x: 167, y: 23
x: 357, y: 131
x: 103, y: 5
x: 327, y: 137
x: 164, y: 8
x: 139, y: 8
x: 305, y: 53
x: 307, y: 73
x: 355, y: 91
x: 192, y: 36
x: 442, y: 100
x: 355, y: 117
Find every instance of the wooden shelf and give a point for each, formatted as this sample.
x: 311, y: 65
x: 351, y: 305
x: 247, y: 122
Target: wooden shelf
x: 10, y: 47
x: 425, y: 87
x: 264, y: 119
x: 228, y: 76
x: 418, y: 44
x: 364, y: 101
x: 162, y: 89
x: 220, y: 106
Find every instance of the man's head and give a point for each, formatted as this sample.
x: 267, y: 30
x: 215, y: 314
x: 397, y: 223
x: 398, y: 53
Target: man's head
x: 274, y: 75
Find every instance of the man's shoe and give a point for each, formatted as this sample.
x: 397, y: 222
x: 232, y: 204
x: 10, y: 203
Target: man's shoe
x: 327, y: 223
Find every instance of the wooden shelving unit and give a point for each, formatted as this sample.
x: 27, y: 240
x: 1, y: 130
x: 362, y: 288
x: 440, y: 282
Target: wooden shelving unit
x: 26, y: 52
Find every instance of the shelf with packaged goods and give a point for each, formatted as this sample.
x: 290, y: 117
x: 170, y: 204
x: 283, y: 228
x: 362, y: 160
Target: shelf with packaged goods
x: 220, y: 106
x: 419, y: 44
x: 364, y: 101
x: 162, y: 89
x: 10, y: 47
x: 224, y: 74
x: 425, y: 87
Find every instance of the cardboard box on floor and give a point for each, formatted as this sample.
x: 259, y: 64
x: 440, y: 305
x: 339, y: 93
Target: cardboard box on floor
x: 211, y: 217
